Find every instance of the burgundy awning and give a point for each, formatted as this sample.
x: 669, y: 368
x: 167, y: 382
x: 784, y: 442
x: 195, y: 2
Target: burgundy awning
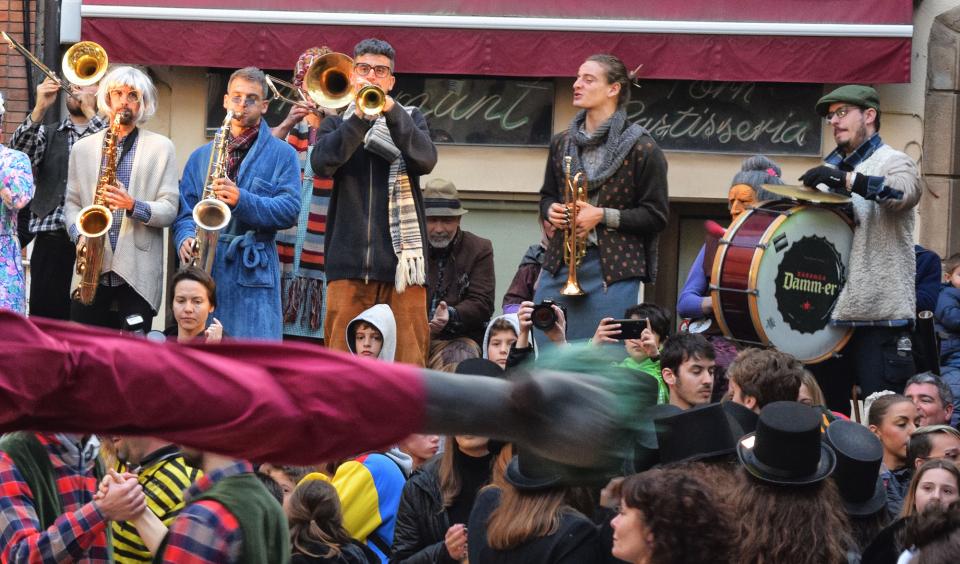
x: 738, y: 40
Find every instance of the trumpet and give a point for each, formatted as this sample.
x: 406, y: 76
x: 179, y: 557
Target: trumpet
x: 574, y: 247
x: 84, y: 63
x: 328, y: 83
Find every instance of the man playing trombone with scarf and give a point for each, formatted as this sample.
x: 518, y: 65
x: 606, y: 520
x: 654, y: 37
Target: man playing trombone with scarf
x: 375, y: 240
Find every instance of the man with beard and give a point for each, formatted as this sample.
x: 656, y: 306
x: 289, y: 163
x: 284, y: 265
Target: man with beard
x: 879, y: 297
x: 143, y: 202
x: 687, y: 364
x: 48, y: 147
x: 261, y: 186
x: 460, y: 278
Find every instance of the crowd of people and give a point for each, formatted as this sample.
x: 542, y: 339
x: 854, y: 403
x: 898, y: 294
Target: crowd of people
x: 578, y: 426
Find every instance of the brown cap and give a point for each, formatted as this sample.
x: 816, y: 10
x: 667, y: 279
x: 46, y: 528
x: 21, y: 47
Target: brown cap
x: 440, y: 199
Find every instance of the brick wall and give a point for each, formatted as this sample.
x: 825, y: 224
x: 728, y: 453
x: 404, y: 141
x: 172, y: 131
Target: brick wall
x: 13, y: 74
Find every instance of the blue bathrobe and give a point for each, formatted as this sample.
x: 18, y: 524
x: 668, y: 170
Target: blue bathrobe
x: 246, y: 268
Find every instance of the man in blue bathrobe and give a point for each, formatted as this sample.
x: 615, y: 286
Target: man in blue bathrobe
x: 262, y: 189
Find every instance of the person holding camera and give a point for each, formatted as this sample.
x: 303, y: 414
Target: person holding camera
x: 194, y: 297
x: 546, y: 316
x: 642, y: 330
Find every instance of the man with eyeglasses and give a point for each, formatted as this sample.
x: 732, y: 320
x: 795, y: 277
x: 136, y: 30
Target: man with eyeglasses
x: 376, y: 236
x: 49, y: 146
x: 143, y: 202
x: 879, y: 297
x: 262, y: 189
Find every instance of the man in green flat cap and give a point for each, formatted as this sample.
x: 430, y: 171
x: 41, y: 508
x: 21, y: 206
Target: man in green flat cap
x: 879, y: 297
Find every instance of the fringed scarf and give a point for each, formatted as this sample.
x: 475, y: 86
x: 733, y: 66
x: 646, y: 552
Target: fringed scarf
x: 402, y: 209
x: 300, y: 247
x: 613, y: 139
x: 237, y: 148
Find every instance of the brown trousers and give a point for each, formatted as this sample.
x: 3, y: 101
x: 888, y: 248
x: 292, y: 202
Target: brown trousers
x: 347, y: 299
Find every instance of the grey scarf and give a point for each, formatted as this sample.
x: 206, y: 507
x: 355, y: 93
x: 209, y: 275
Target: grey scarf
x: 613, y: 140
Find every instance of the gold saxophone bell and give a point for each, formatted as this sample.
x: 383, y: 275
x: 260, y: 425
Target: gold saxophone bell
x: 84, y: 63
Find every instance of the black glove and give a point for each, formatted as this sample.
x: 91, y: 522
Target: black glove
x: 859, y: 184
x: 833, y: 178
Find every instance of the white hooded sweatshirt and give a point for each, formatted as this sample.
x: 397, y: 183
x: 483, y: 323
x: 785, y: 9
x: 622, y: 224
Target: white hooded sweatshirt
x: 381, y: 317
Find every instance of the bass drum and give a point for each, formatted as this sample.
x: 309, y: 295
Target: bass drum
x: 776, y: 276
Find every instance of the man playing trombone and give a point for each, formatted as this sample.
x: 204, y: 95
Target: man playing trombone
x: 375, y: 225
x: 51, y: 263
x: 261, y: 186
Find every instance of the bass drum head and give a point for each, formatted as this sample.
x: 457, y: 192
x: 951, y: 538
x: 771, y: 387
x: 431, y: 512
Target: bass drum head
x: 798, y: 280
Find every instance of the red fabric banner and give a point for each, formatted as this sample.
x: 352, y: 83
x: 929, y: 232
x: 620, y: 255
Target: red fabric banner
x: 514, y: 53
x: 825, y: 11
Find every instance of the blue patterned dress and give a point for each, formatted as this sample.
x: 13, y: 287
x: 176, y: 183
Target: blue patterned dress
x: 17, y: 176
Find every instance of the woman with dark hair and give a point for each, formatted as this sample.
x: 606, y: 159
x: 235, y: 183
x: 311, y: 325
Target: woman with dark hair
x: 193, y: 297
x: 935, y: 535
x: 669, y: 517
x: 786, y: 509
x: 436, y: 502
x: 624, y: 206
x: 317, y: 535
x: 532, y: 517
x: 893, y: 418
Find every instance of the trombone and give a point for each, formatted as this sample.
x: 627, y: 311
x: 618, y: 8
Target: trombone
x: 327, y: 83
x: 273, y: 81
x: 84, y: 63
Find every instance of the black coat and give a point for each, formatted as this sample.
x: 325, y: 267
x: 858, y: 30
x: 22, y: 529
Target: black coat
x: 422, y: 521
x: 353, y: 553
x: 576, y: 541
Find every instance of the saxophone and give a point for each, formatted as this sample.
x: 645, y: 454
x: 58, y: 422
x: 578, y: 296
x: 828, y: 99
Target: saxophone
x: 95, y: 220
x: 210, y: 214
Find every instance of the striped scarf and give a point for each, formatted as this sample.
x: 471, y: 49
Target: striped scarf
x: 402, y: 209
x: 300, y: 247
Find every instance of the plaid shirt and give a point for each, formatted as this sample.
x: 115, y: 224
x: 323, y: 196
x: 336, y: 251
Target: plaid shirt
x: 205, y: 532
x: 78, y: 535
x: 31, y: 138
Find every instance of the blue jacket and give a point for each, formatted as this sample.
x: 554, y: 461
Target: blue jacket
x: 246, y: 268
x: 928, y: 278
x: 948, y: 321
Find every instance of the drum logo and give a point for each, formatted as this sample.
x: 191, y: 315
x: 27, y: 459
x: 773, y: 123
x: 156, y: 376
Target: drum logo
x: 809, y: 279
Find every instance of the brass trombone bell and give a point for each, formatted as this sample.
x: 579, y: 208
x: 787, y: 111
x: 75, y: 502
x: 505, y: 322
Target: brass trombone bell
x: 327, y: 81
x: 84, y: 63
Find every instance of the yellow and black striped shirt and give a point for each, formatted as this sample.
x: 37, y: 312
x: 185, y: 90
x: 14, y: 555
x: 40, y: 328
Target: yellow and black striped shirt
x: 164, y: 476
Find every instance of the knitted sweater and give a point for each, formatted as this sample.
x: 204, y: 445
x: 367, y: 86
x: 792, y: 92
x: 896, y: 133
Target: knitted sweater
x: 880, y: 276
x: 138, y: 258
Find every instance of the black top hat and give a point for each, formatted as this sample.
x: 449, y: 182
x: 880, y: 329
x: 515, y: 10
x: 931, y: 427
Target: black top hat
x: 527, y: 471
x: 646, y: 449
x: 743, y: 419
x: 786, y: 448
x: 695, y: 434
x: 859, y: 454
x: 479, y: 367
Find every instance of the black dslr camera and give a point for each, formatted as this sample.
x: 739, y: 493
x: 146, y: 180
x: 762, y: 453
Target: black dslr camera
x: 543, y: 316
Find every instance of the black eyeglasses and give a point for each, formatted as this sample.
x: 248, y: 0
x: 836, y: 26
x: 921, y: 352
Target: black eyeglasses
x: 840, y: 112
x: 380, y: 71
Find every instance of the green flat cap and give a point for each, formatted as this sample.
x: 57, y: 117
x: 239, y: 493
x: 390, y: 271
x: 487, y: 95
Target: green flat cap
x: 856, y: 94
